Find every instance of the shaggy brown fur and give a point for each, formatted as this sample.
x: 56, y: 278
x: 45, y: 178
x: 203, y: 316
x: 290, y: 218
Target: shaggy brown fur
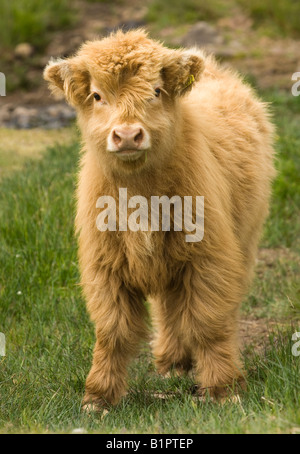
x: 210, y: 138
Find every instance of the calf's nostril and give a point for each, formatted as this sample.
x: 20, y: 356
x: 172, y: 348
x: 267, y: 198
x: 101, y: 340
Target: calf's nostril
x: 117, y: 139
x: 139, y: 137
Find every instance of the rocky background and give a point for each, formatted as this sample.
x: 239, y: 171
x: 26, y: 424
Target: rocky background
x: 263, y: 52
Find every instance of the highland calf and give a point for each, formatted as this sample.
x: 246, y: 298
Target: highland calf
x: 162, y: 122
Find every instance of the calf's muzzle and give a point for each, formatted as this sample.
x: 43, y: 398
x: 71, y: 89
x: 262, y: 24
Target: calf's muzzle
x: 128, y: 140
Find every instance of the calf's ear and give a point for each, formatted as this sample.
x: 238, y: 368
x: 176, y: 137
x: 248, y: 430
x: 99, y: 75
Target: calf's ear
x: 181, y: 68
x: 69, y: 78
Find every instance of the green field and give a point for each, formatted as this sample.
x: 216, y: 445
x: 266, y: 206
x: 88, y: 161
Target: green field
x: 49, y: 338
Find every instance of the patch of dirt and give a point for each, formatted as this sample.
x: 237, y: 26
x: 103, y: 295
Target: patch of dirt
x: 254, y: 333
x: 275, y: 67
x: 255, y: 330
x: 269, y: 256
x: 280, y: 258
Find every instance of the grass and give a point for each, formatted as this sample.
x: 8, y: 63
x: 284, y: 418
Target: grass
x: 49, y: 338
x: 32, y: 20
x: 271, y: 17
x: 284, y: 222
x: 16, y: 146
x: 165, y: 13
x: 280, y: 16
x: 277, y: 286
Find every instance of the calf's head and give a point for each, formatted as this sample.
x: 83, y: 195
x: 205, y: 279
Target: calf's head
x: 125, y: 89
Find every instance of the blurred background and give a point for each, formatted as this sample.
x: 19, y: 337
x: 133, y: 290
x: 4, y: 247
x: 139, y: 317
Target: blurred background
x: 42, y: 312
x: 261, y: 38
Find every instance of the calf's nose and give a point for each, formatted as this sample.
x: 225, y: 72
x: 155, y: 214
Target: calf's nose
x: 128, y: 137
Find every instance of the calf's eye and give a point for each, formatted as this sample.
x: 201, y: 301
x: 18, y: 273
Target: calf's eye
x: 97, y: 97
x: 157, y: 92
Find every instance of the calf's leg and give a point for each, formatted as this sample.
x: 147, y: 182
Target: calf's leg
x: 197, y: 323
x: 170, y: 346
x: 119, y: 316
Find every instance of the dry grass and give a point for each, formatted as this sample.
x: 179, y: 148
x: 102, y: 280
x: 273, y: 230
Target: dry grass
x: 18, y: 145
